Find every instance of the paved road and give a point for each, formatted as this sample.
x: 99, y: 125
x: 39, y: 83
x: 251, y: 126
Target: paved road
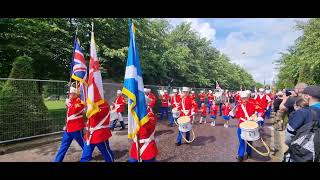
x: 212, y: 144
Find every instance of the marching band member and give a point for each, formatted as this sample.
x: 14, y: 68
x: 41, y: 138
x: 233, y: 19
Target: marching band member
x: 194, y: 110
x: 164, y: 103
x: 119, y: 105
x: 268, y: 111
x: 98, y: 134
x: 237, y: 97
x: 214, y: 112
x: 210, y: 99
x: 74, y: 124
x: 202, y: 96
x: 147, y: 144
x: 185, y: 110
x: 243, y: 107
x: 175, y: 103
x: 203, y: 111
x: 227, y: 96
x: 152, y: 97
x: 263, y: 102
x: 225, y: 114
x: 193, y: 95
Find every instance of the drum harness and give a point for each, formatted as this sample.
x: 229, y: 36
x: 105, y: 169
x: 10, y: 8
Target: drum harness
x: 193, y: 135
x: 266, y: 154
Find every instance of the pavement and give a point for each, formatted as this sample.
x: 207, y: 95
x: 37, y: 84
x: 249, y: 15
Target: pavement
x: 212, y: 144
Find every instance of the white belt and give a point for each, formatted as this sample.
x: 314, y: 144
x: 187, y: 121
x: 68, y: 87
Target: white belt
x: 98, y: 126
x: 75, y: 116
x: 145, y: 140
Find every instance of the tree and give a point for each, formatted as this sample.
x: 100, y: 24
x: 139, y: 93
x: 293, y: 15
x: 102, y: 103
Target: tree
x: 302, y: 61
x: 23, y: 112
x: 166, y: 52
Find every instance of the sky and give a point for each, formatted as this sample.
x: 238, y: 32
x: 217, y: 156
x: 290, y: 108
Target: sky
x: 253, y: 43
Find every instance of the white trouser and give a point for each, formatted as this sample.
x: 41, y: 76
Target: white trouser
x: 120, y: 116
x: 205, y: 119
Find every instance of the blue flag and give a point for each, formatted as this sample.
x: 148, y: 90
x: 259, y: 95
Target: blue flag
x: 134, y: 89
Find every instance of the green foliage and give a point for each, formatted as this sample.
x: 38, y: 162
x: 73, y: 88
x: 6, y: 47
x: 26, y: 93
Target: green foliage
x: 166, y: 53
x: 302, y: 61
x: 23, y: 112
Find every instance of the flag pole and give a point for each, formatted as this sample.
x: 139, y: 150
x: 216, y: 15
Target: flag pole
x: 75, y: 38
x: 88, y: 120
x: 137, y: 135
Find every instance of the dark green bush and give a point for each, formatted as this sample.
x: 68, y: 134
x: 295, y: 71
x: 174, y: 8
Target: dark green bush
x: 22, y: 110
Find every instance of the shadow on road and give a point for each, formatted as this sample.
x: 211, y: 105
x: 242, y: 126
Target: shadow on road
x: 167, y: 159
x: 169, y: 131
x: 117, y: 155
x: 202, y: 140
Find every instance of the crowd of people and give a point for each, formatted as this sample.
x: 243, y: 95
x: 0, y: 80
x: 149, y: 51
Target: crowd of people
x: 241, y: 105
x: 302, y: 108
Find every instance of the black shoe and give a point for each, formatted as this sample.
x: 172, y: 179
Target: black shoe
x: 248, y: 156
x: 240, y: 159
x: 171, y: 125
x: 178, y: 144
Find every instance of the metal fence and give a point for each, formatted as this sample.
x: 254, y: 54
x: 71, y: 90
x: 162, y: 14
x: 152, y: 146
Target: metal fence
x: 32, y: 108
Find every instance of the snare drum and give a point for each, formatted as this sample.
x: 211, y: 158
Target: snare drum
x: 249, y: 131
x: 184, y: 123
x: 175, y: 112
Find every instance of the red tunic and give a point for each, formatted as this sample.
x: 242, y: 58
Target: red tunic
x: 193, y: 96
x: 103, y: 134
x: 195, y: 106
x: 145, y: 132
x: 262, y: 103
x: 226, y: 110
x: 213, y: 110
x: 237, y: 97
x: 165, y: 100
x: 153, y: 99
x: 210, y: 97
x: 74, y: 120
x: 202, y: 96
x: 175, y: 100
x: 250, y: 107
x: 203, y: 110
x: 120, y: 101
x: 186, y: 104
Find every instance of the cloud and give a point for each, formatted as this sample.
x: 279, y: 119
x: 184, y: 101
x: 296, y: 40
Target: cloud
x: 203, y: 28
x: 252, y: 43
x: 262, y: 40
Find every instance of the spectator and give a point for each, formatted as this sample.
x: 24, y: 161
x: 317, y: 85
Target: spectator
x: 311, y: 95
x: 300, y: 103
x: 277, y: 101
x: 287, y: 105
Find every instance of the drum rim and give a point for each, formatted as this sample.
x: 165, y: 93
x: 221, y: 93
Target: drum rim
x: 246, y: 128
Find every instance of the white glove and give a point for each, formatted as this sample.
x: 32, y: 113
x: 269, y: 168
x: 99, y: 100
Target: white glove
x: 68, y: 102
x: 260, y: 119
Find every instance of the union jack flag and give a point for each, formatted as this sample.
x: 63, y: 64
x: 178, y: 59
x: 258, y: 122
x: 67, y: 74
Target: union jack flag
x: 79, y: 71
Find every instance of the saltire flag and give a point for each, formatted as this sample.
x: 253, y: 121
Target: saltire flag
x: 79, y: 71
x: 134, y: 89
x: 95, y: 87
